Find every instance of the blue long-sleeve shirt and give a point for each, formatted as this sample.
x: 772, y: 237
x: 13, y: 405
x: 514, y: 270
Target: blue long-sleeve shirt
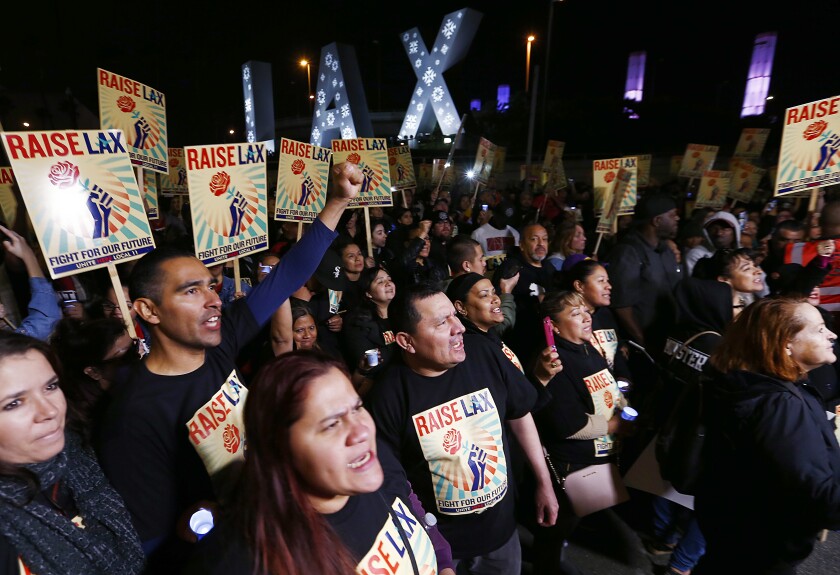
x: 43, y: 310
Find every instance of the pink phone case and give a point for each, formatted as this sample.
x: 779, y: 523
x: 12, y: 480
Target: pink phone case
x: 549, y: 332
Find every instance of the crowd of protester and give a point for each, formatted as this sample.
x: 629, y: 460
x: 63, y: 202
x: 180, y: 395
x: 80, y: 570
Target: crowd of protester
x: 363, y: 401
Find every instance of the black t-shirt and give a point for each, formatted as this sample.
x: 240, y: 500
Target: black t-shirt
x: 449, y: 434
x: 164, y: 437
x: 157, y: 423
x: 527, y: 338
x: 363, y: 330
x: 364, y: 525
x: 584, y: 387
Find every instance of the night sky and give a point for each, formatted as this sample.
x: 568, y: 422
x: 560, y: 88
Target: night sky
x: 193, y: 52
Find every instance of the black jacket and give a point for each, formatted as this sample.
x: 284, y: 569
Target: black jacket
x: 771, y: 478
x: 702, y: 306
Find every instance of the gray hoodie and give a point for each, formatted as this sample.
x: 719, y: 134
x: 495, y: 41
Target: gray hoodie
x: 706, y: 249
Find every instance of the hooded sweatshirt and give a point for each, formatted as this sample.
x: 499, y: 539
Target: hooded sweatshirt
x: 706, y: 249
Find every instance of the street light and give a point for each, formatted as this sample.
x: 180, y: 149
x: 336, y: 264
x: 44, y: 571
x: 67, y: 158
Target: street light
x: 531, y: 38
x: 549, y: 32
x: 305, y: 62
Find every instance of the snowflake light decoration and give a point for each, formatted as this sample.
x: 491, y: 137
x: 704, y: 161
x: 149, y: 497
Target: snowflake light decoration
x: 455, y: 35
x: 340, y: 110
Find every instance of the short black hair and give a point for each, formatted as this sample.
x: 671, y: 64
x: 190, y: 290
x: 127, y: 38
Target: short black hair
x: 342, y: 241
x: 720, y: 264
x: 145, y: 280
x: 301, y: 309
x: 460, y: 249
x: 788, y: 225
x: 402, y: 311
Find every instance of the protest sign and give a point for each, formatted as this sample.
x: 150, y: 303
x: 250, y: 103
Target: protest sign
x: 745, y: 180
x: 483, y: 165
x: 643, y: 174
x: 808, y: 157
x: 175, y: 180
x: 714, y: 189
x: 751, y: 143
x: 302, y: 178
x: 140, y: 112
x: 401, y: 168
x: 440, y: 170
x: 228, y: 200
x: 604, y: 180
x: 82, y: 197
x: 150, y: 196
x: 554, y: 173
x: 8, y: 201
x: 697, y: 159
x: 371, y: 155
x: 615, y: 196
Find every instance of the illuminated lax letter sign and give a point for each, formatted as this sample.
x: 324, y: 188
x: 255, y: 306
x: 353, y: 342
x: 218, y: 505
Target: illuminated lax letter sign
x: 431, y: 97
x: 341, y: 110
x: 259, y: 103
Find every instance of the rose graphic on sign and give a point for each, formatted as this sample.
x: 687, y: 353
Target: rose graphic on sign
x: 126, y: 104
x: 65, y: 176
x: 814, y: 130
x: 219, y: 183
x: 452, y: 441
x: 608, y: 399
x: 231, y: 439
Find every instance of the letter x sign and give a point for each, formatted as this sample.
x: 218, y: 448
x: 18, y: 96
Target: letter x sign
x: 430, y: 99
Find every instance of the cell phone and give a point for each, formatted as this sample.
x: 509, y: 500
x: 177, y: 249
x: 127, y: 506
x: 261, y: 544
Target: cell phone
x: 484, y: 207
x: 509, y: 268
x: 549, y: 332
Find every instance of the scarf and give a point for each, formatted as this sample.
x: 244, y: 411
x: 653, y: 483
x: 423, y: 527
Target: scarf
x: 47, y: 541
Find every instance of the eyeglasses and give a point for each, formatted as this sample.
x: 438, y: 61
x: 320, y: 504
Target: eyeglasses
x: 110, y: 307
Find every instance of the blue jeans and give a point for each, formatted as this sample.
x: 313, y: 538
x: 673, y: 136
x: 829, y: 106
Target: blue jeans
x: 691, y: 546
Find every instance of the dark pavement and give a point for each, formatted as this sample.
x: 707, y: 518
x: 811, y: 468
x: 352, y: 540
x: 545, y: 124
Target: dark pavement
x: 611, y: 543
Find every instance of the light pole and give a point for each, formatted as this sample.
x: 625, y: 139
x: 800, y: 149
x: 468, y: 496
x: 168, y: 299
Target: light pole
x: 305, y: 62
x: 530, y: 38
x: 547, y: 71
